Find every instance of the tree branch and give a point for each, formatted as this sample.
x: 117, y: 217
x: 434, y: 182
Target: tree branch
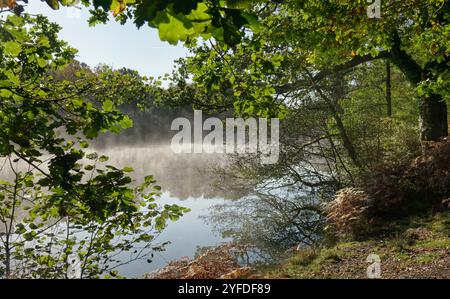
x: 326, y: 72
x: 404, y: 62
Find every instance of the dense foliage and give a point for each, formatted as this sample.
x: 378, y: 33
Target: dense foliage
x: 176, y: 20
x: 61, y: 202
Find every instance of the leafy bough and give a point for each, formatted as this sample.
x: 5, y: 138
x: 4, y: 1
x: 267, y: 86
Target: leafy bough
x: 61, y: 207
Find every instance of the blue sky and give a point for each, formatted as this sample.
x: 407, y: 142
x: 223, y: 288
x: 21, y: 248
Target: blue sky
x: 113, y: 44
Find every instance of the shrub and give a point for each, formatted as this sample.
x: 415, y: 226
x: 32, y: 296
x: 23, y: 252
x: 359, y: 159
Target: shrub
x: 394, y: 190
x: 348, y: 211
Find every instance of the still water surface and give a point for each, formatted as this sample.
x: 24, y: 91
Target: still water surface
x: 187, y: 180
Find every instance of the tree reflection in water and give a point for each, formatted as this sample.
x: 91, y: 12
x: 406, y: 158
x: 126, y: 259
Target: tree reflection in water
x: 271, y: 222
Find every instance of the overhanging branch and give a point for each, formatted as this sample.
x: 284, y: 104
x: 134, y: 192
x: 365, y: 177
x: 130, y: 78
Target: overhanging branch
x: 324, y: 73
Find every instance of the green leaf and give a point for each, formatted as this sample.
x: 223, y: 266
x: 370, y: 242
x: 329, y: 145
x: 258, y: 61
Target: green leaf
x: 127, y: 169
x: 43, y: 41
x: 53, y: 4
x: 84, y: 144
x: 5, y: 93
x: 92, y: 156
x: 16, y: 20
x: 41, y: 62
x: 108, y: 106
x: 6, y: 183
x: 173, y: 30
x: 12, y: 48
x: 103, y: 158
x: 126, y: 122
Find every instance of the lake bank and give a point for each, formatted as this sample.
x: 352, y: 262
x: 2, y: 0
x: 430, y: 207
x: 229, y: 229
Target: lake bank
x: 418, y: 247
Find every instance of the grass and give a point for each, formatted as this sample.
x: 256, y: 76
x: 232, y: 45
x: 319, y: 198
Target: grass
x: 304, y: 257
x: 307, y: 263
x: 427, y: 258
x: 410, y: 244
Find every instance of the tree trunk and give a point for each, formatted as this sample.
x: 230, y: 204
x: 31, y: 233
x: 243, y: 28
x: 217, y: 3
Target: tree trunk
x: 346, y: 141
x: 433, y: 109
x: 388, y: 89
x: 7, y: 262
x: 433, y: 118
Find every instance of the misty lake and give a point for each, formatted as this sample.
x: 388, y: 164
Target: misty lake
x: 186, y: 180
x: 223, y: 209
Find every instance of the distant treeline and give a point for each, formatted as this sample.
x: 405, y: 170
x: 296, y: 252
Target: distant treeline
x: 150, y: 126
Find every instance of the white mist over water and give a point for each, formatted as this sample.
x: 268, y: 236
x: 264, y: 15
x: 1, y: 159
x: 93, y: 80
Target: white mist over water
x: 186, y: 180
x: 183, y: 175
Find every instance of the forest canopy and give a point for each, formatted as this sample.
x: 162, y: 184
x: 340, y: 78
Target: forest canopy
x: 323, y: 37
